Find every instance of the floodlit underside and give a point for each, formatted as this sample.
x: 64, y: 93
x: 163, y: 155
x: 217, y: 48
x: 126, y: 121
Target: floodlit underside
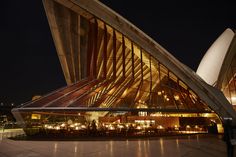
x: 114, y: 72
x: 227, y: 78
x: 110, y: 67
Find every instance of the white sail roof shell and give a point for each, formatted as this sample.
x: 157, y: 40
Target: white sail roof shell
x: 210, y: 65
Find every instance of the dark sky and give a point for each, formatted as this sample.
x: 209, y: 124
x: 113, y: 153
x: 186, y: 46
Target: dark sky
x: 29, y: 64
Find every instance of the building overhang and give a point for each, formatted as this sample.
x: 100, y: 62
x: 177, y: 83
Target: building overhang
x: 65, y: 43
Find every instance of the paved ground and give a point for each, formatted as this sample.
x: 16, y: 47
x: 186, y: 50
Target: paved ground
x: 181, y: 146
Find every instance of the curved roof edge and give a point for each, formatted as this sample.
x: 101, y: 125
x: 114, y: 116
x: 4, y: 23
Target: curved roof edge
x: 226, y: 63
x: 210, y: 65
x: 213, y: 97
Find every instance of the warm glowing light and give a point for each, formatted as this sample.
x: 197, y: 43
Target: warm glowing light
x: 125, y: 92
x: 83, y: 126
x: 141, y: 113
x: 76, y: 124
x: 36, y: 116
x: 111, y: 127
x: 176, y: 127
x: 187, y: 126
x: 167, y: 99
x: 233, y: 99
x: 142, y: 105
x: 176, y: 97
x: 63, y: 125
x: 120, y: 126
x: 77, y: 128
x: 50, y: 127
x: 212, y: 120
x: 160, y: 127
x: 57, y: 128
x: 72, y: 125
x: 159, y: 93
x: 139, y: 127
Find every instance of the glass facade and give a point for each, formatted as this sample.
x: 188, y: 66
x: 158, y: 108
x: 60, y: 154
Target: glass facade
x: 116, y: 88
x: 228, y: 85
x: 117, y: 123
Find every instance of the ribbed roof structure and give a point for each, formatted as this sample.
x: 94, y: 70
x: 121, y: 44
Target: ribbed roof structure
x: 111, y: 65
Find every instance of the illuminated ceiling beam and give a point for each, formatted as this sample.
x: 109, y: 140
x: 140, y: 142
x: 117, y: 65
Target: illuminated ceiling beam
x: 213, y: 97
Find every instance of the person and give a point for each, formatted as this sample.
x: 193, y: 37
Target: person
x: 88, y: 128
x: 228, y: 136
x: 94, y: 127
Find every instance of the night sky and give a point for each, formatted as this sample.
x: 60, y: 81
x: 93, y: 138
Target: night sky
x: 29, y: 65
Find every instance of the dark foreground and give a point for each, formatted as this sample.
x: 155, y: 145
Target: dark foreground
x: 173, y: 146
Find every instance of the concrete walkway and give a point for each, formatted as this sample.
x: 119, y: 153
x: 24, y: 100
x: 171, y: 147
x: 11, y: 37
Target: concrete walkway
x: 181, y: 146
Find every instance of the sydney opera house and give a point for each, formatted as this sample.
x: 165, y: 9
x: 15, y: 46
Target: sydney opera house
x: 119, y: 80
